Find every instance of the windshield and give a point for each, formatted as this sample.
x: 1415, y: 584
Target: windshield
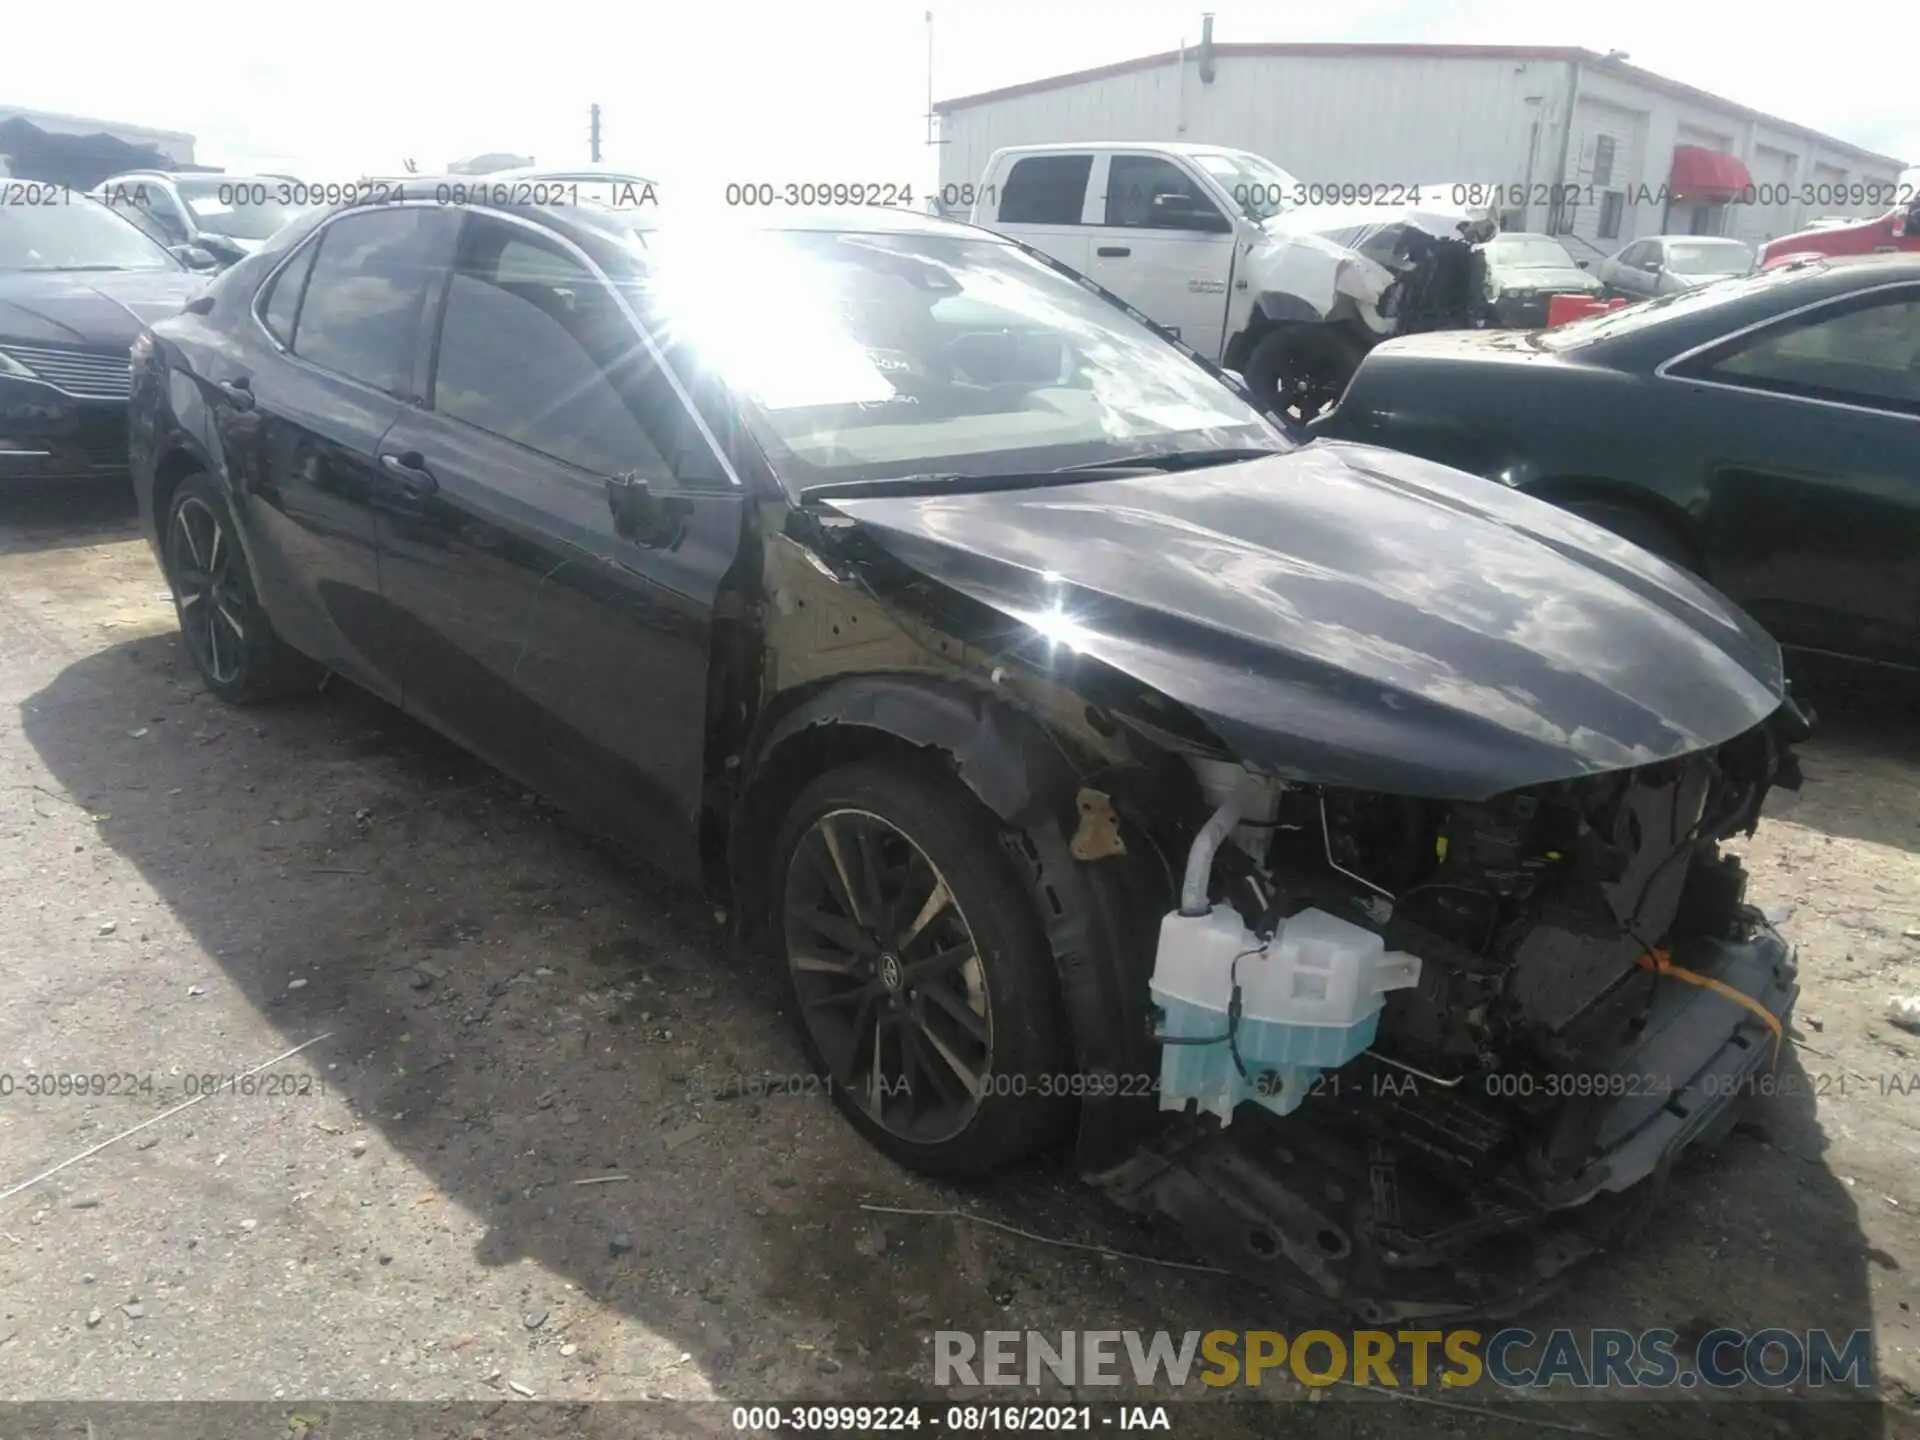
x: 1632, y: 318
x: 879, y: 356
x: 1259, y: 187
x: 75, y: 232
x: 1694, y: 257
x: 238, y: 206
x: 1529, y: 252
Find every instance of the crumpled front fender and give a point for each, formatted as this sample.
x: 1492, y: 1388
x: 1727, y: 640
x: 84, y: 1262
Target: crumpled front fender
x: 1017, y: 771
x: 1305, y: 277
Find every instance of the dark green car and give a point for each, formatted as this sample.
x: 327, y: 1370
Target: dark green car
x: 1763, y: 432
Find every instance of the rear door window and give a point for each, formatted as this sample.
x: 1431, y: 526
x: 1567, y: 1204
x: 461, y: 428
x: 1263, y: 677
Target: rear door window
x: 1864, y: 351
x: 282, y: 305
x: 369, y: 287
x: 1046, y: 190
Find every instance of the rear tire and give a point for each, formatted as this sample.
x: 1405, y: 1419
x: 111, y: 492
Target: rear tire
x: 1301, y: 370
x: 921, y: 982
x: 222, y: 623
x: 1648, y: 532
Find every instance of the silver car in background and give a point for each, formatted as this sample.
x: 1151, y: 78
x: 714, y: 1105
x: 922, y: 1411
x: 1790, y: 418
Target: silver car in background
x: 1663, y: 264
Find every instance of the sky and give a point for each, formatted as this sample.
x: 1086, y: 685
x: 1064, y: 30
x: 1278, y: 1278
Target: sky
x: 831, y: 90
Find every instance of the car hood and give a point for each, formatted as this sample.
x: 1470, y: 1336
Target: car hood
x: 1356, y: 617
x: 1832, y: 240
x: 100, y: 309
x: 1351, y: 225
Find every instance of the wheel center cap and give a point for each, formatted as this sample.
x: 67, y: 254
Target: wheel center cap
x: 891, y: 974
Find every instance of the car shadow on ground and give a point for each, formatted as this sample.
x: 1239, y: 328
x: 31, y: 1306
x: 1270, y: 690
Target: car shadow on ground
x: 517, y: 1006
x: 1866, y: 747
x: 45, y: 515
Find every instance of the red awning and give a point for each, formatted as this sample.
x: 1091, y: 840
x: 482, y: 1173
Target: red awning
x: 1699, y: 173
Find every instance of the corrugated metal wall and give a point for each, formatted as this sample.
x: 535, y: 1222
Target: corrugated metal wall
x: 1769, y: 216
x: 1607, y: 156
x: 1399, y: 120
x: 1392, y: 121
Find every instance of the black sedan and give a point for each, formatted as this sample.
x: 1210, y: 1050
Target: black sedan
x: 1522, y: 275
x: 77, y: 284
x: 968, y: 636
x: 1763, y: 432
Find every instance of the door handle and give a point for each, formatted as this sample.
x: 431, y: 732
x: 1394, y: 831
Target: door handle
x: 1113, y: 252
x: 237, y: 391
x: 410, y: 470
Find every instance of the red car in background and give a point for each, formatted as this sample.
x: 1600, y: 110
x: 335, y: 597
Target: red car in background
x: 1898, y: 229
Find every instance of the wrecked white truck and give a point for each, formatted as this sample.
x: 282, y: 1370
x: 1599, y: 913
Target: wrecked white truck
x: 1242, y: 262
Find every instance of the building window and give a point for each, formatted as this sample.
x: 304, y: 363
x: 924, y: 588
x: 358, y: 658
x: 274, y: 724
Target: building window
x: 1611, y: 204
x: 1563, y: 221
x: 1603, y: 162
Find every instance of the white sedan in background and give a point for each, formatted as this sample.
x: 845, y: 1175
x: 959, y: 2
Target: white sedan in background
x: 1662, y: 264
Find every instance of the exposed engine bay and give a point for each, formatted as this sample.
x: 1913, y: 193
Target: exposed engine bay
x: 1397, y: 988
x: 1589, y: 979
x: 1396, y: 274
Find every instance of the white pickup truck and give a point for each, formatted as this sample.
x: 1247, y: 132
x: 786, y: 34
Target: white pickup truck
x: 1287, y: 283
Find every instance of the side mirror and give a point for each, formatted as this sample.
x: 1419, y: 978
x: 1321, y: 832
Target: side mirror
x: 656, y: 522
x: 1583, y: 264
x: 194, y: 257
x: 1178, y: 211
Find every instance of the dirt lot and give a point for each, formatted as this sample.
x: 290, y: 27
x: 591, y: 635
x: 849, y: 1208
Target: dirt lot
x: 510, y: 1008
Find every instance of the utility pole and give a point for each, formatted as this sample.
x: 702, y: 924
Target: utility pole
x: 593, y: 133
x: 934, y: 202
x: 930, y: 116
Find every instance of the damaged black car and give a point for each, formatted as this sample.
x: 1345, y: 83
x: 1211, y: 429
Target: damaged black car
x: 1324, y: 839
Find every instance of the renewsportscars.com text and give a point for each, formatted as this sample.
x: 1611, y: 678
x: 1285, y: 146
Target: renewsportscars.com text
x: 1513, y: 1358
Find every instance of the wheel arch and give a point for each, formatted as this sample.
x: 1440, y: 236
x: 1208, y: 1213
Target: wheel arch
x: 985, y: 744
x: 173, y: 470
x: 1573, y: 489
x: 1275, y: 308
x: 1020, y: 773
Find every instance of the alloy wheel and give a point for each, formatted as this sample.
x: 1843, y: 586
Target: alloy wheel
x: 1310, y: 390
x: 888, y: 976
x: 209, y: 587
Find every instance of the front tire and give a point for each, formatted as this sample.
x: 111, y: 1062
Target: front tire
x: 222, y: 623
x: 920, y: 978
x: 1299, y: 371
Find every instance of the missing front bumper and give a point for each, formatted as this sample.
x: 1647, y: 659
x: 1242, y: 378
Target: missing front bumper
x: 1431, y: 1218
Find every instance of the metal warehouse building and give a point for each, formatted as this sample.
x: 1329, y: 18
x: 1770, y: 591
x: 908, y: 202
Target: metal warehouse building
x: 1586, y: 145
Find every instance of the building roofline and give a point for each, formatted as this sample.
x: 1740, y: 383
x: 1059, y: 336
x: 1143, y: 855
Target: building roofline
x: 1683, y: 91
x: 1563, y: 54
x: 9, y: 112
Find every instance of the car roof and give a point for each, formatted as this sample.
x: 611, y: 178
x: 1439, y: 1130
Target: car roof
x: 220, y: 177
x: 588, y: 216
x: 565, y: 172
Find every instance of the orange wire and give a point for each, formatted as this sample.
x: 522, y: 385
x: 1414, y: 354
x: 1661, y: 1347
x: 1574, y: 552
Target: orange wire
x: 1660, y: 963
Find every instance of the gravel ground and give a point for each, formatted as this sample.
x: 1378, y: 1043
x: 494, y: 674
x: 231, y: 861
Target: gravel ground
x: 498, y: 1170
